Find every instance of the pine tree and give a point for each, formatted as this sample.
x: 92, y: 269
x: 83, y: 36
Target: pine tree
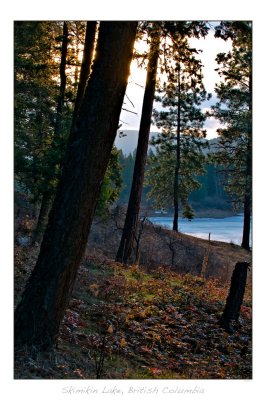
x: 157, y: 30
x: 36, y: 91
x: 234, y: 111
x: 42, y: 307
x: 42, y: 117
x: 42, y: 132
x: 179, y: 157
x: 57, y: 135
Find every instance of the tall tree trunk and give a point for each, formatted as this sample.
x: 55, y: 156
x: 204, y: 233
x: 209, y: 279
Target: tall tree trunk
x: 42, y: 218
x: 42, y: 307
x: 177, y: 166
x: 131, y: 221
x: 248, y: 188
x: 48, y: 196
x: 247, y: 209
x: 62, y: 89
x: 86, y: 64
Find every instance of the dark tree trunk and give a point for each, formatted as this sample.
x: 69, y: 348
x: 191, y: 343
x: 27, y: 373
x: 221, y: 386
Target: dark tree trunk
x: 131, y: 221
x: 247, y: 217
x: 175, y: 220
x: 138, y: 239
x: 42, y: 218
x: 62, y: 89
x: 248, y: 188
x: 86, y: 63
x: 42, y: 307
x: 177, y: 167
x: 235, y: 296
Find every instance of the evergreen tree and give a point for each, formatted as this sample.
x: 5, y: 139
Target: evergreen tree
x: 46, y: 65
x: 42, y: 109
x: 42, y: 307
x: 156, y: 31
x: 179, y: 157
x: 57, y: 137
x: 234, y: 111
x: 36, y: 92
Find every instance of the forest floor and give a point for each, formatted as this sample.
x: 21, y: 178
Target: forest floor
x: 133, y: 322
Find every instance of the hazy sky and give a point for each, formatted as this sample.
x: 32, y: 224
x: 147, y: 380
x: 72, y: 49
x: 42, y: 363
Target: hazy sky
x: 210, y: 46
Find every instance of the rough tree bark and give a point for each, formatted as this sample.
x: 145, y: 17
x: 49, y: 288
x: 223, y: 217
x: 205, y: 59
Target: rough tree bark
x: 42, y: 307
x: 47, y: 198
x: 235, y: 296
x: 131, y: 221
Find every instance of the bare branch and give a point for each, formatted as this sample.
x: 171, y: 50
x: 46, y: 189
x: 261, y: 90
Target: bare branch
x: 130, y: 101
x: 133, y: 112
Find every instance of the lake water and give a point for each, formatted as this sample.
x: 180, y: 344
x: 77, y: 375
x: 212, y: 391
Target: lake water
x: 222, y: 229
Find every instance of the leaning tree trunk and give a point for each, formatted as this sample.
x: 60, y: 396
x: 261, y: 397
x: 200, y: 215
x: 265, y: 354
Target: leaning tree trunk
x: 42, y: 218
x: 131, y: 221
x: 235, y: 296
x: 47, y: 198
x: 42, y: 307
x: 86, y: 64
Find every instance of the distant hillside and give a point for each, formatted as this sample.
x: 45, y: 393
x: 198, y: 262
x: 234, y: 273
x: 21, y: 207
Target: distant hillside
x: 127, y: 140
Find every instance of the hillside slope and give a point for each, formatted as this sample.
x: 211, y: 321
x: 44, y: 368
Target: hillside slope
x: 180, y: 252
x: 128, y: 322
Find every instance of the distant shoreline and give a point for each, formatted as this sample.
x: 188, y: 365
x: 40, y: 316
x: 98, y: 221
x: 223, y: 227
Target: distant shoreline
x: 212, y: 213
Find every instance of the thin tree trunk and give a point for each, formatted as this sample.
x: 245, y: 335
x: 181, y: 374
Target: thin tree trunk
x: 62, y: 89
x: 47, y: 198
x: 138, y: 239
x: 177, y: 167
x: 42, y: 307
x: 131, y: 221
x: 42, y: 218
x: 86, y: 64
x: 247, y: 220
x: 248, y: 189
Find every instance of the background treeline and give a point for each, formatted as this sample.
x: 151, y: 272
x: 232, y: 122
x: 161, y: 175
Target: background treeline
x: 210, y: 199
x: 48, y: 62
x: 211, y: 196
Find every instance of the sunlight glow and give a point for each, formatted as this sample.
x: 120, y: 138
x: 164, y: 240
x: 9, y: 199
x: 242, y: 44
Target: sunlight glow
x: 210, y: 47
